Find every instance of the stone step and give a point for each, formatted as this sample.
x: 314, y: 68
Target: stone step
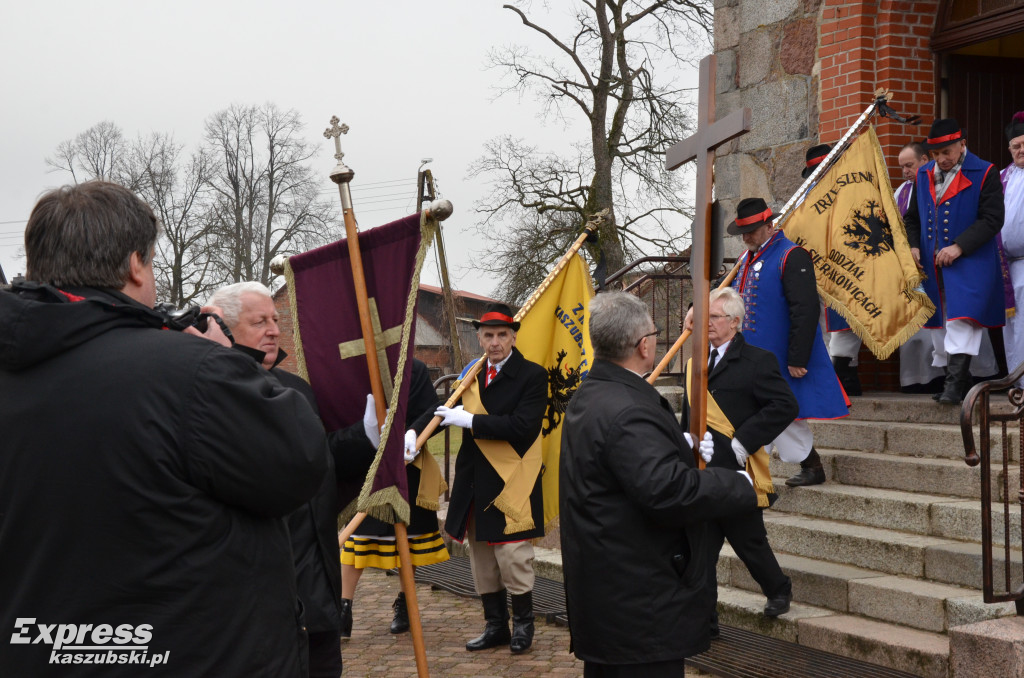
x: 912, y: 408
x: 920, y: 653
x: 899, y: 472
x: 915, y: 603
x: 914, y: 439
x: 961, y: 563
x: 873, y: 548
x: 934, y: 515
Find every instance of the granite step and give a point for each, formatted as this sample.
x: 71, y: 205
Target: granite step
x: 912, y: 408
x: 925, y: 514
x: 915, y: 603
x: 900, y: 472
x: 920, y: 653
x: 873, y: 548
x: 912, y: 439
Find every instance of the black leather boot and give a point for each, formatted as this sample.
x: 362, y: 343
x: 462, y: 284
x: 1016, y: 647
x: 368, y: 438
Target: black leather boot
x: 522, y: 622
x: 496, y: 614
x: 346, y: 617
x: 847, y: 374
x: 811, y: 472
x: 958, y: 379
x: 400, y: 624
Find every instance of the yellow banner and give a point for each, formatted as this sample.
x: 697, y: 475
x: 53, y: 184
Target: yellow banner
x: 554, y: 334
x: 852, y: 228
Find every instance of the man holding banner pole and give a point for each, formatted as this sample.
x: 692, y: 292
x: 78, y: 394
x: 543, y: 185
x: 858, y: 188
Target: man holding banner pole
x: 496, y: 500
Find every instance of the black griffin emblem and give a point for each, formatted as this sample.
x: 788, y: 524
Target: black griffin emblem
x: 561, y: 385
x: 868, y: 230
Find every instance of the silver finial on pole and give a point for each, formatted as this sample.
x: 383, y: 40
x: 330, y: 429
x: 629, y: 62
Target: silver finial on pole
x: 342, y: 173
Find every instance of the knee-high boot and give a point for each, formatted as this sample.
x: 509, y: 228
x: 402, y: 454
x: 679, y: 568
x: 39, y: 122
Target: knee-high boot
x: 496, y: 615
x: 522, y: 622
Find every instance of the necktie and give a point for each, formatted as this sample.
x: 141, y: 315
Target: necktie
x: 491, y: 374
x: 714, y: 359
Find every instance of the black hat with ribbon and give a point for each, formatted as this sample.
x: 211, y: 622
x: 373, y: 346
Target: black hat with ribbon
x: 1016, y: 127
x: 751, y: 214
x: 497, y: 315
x: 944, y: 131
x: 813, y: 158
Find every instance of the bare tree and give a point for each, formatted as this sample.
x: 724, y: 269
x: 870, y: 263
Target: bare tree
x: 175, y: 188
x: 265, y: 195
x: 96, y: 153
x: 604, y: 70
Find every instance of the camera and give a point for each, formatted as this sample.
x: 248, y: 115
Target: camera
x: 179, y: 319
x: 192, y: 316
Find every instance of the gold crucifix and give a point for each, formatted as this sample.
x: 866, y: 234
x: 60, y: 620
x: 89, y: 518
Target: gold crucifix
x: 383, y: 338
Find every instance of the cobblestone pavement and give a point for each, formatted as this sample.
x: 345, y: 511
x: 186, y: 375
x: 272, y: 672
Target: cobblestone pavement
x: 448, y: 622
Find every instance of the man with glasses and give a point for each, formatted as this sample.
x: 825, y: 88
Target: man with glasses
x: 754, y: 405
x: 776, y: 283
x: 632, y: 505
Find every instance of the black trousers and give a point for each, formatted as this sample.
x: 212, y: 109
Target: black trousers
x: 748, y: 538
x: 670, y: 669
x: 325, y: 654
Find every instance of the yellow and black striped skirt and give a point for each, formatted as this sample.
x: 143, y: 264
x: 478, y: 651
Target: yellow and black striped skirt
x: 382, y: 552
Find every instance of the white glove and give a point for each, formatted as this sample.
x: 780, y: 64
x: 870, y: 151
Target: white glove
x: 707, y: 448
x: 410, y: 446
x: 747, y: 476
x: 689, y: 439
x: 370, y: 426
x: 454, y: 416
x: 740, y: 452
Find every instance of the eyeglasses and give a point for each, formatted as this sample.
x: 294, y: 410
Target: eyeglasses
x: 649, y: 334
x: 718, y: 316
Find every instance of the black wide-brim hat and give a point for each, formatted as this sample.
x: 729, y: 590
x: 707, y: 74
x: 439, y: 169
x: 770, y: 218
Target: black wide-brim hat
x: 944, y: 131
x: 497, y: 315
x: 751, y: 214
x: 813, y: 158
x: 1016, y: 127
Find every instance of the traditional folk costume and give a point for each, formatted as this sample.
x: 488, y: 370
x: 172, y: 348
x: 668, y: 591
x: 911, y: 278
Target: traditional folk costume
x: 374, y: 545
x: 782, y: 307
x: 496, y: 500
x: 963, y: 206
x: 1013, y: 245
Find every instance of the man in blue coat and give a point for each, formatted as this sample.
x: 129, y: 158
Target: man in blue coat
x: 952, y: 222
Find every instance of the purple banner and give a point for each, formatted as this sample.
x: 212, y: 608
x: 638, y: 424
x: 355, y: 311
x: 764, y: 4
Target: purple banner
x: 328, y: 321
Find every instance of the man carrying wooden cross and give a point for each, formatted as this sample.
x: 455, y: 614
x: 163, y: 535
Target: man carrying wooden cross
x: 496, y: 502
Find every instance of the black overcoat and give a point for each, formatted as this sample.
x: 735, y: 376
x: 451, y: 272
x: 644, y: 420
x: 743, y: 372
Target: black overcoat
x: 144, y: 479
x: 515, y: 403
x: 747, y: 385
x: 631, y: 506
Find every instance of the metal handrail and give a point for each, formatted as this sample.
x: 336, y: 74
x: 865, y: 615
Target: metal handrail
x: 980, y: 398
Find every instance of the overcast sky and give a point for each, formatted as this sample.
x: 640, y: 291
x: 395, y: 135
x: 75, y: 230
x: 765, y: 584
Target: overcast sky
x: 408, y: 77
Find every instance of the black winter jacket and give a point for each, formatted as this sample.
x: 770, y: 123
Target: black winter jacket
x: 631, y: 504
x: 144, y: 479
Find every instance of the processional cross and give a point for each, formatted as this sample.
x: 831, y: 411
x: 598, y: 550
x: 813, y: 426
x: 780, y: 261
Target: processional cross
x: 701, y: 146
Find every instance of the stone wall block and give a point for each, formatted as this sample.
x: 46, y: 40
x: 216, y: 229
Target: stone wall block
x: 726, y: 28
x: 755, y: 57
x: 779, y: 111
x: 725, y: 77
x: 799, y: 45
x: 787, y: 163
x: 755, y: 13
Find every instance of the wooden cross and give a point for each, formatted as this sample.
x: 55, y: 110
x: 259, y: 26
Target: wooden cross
x: 701, y: 146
